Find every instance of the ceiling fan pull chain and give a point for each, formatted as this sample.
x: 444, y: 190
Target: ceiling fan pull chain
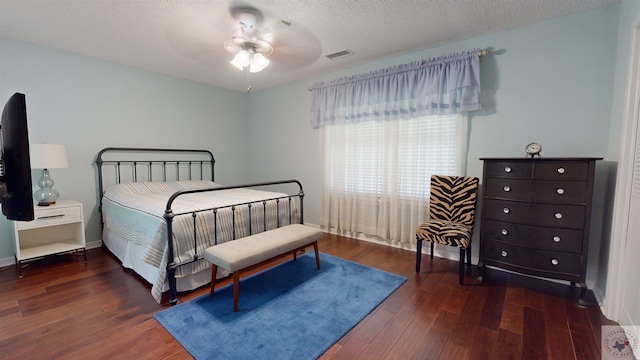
x: 246, y: 71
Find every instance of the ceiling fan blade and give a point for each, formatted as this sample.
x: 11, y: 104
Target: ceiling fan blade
x: 295, y: 47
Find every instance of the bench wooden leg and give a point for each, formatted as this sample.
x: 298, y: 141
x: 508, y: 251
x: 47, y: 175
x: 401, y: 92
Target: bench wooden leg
x: 315, y: 249
x: 236, y: 285
x: 214, y: 273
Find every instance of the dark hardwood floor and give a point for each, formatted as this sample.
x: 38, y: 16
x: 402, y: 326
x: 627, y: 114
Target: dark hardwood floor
x: 65, y: 308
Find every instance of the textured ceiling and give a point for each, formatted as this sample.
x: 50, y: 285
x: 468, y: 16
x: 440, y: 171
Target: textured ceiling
x: 185, y: 38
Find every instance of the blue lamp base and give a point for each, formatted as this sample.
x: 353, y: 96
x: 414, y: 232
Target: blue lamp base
x: 46, y: 195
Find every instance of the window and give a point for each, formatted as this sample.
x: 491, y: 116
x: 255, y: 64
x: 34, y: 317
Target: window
x: 377, y: 172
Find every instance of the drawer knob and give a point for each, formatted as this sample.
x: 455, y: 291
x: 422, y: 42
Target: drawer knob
x: 558, y: 215
x: 504, y: 232
x: 560, y: 170
x: 560, y: 191
x: 504, y: 253
x: 507, y: 169
x: 556, y: 239
x: 506, y: 188
x: 555, y: 261
x: 506, y: 210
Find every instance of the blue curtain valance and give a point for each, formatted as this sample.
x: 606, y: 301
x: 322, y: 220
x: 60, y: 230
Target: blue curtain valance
x: 447, y: 84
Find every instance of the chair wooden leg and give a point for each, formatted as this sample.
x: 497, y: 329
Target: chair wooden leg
x: 418, y: 254
x: 432, y: 244
x: 461, y: 279
x: 214, y: 272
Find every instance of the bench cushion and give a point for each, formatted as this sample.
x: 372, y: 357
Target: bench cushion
x: 244, y: 252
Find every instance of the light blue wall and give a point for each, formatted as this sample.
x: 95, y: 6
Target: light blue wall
x: 629, y: 11
x: 89, y: 104
x: 551, y: 83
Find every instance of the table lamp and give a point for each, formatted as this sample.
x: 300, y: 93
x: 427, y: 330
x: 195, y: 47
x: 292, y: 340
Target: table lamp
x: 45, y: 157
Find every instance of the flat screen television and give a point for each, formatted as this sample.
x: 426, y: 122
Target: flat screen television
x: 15, y: 164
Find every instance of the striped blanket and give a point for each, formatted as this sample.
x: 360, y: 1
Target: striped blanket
x: 135, y: 212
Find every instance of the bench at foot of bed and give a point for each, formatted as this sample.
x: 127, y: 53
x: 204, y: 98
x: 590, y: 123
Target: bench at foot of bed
x: 243, y: 253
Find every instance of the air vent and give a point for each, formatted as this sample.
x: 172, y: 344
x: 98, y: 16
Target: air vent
x: 339, y: 54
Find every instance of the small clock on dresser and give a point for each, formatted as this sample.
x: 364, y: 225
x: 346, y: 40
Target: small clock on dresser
x: 533, y: 149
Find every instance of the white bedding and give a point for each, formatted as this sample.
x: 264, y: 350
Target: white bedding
x: 135, y: 229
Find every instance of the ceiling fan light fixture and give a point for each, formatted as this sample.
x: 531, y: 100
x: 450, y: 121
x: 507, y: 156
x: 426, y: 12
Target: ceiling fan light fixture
x: 249, y: 49
x: 257, y: 62
x: 241, y: 60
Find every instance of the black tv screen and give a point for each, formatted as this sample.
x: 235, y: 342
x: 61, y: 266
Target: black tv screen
x: 15, y: 171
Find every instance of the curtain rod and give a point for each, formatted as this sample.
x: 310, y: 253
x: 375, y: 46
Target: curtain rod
x: 481, y: 53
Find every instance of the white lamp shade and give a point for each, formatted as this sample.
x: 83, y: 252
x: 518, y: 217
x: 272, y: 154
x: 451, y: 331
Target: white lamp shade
x: 48, y: 156
x: 255, y: 61
x: 258, y: 63
x: 241, y: 59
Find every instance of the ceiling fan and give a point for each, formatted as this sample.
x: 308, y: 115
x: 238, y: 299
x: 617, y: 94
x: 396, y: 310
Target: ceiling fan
x: 249, y: 43
x: 213, y: 39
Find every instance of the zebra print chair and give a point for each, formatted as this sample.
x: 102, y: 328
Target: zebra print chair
x: 452, y: 208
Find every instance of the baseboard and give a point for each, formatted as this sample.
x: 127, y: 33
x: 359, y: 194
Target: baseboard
x: 7, y: 262
x: 596, y: 293
x: 439, y: 251
x: 94, y: 244
x: 12, y: 260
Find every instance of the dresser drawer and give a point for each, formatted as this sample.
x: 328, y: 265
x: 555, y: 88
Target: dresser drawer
x: 532, y: 259
x: 554, y: 239
x: 551, y: 215
x: 52, y: 216
x: 548, y: 191
x: 513, y: 169
x: 562, y: 170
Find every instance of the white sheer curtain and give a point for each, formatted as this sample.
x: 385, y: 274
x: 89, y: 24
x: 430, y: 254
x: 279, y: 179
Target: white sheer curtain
x: 376, y: 174
x: 384, y: 133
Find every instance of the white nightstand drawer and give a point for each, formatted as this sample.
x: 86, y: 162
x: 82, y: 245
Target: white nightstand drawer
x: 52, y: 216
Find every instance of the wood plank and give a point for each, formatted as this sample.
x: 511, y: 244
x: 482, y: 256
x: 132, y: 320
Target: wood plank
x: 559, y: 342
x: 456, y: 300
x: 509, y: 346
x: 468, y: 322
x: 484, y: 344
x: 512, y: 318
x: 584, y: 343
x: 434, y: 341
x: 491, y: 312
x: 453, y: 351
x: 534, y: 343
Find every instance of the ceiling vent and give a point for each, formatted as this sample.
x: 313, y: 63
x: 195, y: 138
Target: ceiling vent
x: 339, y: 54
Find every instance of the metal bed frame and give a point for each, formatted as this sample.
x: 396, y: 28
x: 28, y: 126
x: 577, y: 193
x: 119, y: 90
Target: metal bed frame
x: 193, y: 159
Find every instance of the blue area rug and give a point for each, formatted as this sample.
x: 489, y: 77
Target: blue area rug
x: 291, y: 311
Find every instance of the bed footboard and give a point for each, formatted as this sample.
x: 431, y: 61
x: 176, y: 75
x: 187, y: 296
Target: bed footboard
x: 286, y: 200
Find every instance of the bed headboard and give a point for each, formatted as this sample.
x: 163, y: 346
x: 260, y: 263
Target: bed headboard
x: 150, y: 164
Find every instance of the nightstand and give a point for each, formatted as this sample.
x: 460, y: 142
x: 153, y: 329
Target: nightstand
x: 58, y: 228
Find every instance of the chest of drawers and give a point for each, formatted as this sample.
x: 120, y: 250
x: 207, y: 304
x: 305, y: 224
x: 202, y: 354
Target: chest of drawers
x: 536, y: 216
